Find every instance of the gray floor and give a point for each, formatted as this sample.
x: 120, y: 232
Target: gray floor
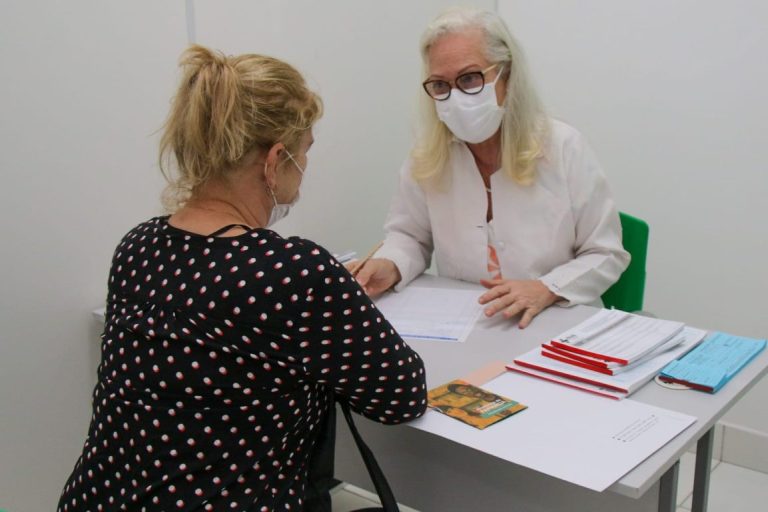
x: 732, y: 489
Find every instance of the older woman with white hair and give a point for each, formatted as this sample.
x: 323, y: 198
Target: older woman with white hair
x: 501, y: 194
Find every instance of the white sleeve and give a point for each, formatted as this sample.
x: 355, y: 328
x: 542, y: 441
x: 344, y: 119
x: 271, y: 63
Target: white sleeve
x: 599, y: 257
x: 408, y: 232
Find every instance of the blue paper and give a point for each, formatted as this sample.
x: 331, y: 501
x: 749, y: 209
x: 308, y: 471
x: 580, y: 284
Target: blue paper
x: 715, y: 361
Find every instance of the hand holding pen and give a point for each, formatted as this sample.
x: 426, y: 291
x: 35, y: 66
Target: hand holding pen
x: 375, y: 275
x: 356, y: 265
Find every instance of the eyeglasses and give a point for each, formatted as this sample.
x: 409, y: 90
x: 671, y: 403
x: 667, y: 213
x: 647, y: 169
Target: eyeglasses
x: 468, y: 83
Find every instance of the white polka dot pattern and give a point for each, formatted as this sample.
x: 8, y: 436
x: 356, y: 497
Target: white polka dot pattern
x: 219, y: 355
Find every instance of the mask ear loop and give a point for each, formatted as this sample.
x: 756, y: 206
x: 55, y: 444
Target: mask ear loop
x: 500, y: 72
x: 269, y: 189
x: 295, y: 162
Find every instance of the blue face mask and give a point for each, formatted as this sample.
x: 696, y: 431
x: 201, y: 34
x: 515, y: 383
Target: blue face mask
x: 281, y: 210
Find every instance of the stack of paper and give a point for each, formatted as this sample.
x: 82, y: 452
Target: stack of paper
x: 712, y: 364
x: 611, y: 339
x: 611, y: 354
x: 438, y: 314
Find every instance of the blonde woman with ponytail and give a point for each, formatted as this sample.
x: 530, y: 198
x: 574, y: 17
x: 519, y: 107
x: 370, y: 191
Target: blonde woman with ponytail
x: 225, y: 343
x: 499, y: 193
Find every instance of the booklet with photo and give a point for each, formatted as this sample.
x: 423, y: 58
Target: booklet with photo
x: 471, y: 404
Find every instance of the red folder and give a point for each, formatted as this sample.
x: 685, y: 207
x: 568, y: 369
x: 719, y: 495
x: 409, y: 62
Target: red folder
x: 575, y: 361
x: 572, y: 385
x: 577, y: 350
x: 567, y: 375
x: 572, y: 355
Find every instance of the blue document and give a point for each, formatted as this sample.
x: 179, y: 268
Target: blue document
x: 713, y: 363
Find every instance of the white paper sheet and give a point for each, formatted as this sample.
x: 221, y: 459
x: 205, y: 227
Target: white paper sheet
x: 577, y: 437
x: 431, y: 313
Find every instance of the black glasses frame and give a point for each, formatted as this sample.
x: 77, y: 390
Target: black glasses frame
x: 456, y: 81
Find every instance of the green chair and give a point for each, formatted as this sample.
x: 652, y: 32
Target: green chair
x: 627, y: 293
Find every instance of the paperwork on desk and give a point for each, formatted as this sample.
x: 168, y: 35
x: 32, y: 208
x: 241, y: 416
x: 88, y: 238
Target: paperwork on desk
x: 712, y: 364
x: 610, y: 354
x: 626, y: 382
x: 437, y: 314
x: 576, y: 437
x: 611, y: 338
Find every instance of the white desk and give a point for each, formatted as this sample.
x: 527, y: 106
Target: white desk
x: 431, y: 473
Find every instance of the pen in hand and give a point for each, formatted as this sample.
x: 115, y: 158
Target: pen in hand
x: 363, y: 261
x: 346, y: 257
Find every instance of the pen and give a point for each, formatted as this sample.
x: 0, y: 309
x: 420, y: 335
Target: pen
x: 344, y: 258
x: 365, y: 260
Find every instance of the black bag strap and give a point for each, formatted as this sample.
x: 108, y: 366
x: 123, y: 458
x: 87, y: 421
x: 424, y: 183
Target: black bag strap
x: 320, y: 479
x: 388, y: 501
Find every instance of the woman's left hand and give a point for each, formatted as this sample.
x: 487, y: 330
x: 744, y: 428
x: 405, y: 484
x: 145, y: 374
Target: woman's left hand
x: 512, y: 297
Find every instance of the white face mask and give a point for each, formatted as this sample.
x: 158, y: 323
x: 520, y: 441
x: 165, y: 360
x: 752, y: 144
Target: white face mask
x: 281, y: 210
x: 472, y: 118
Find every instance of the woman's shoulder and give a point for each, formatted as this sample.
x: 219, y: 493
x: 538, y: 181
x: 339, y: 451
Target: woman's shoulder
x: 305, y: 255
x: 563, y: 134
x: 151, y: 227
x: 567, y: 156
x: 158, y: 230
x: 304, y: 247
x: 564, y: 145
x: 301, y: 266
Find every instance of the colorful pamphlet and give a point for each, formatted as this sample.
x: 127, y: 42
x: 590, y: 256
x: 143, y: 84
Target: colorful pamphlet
x: 471, y: 404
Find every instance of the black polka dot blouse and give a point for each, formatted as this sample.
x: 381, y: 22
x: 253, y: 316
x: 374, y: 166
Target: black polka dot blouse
x: 219, y: 356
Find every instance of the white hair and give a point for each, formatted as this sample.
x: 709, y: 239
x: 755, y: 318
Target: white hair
x: 523, y: 127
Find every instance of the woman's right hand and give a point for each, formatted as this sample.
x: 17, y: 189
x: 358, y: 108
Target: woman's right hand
x: 376, y: 276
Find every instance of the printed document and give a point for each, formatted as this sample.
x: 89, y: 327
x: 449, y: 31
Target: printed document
x: 439, y: 314
x: 574, y: 436
x: 618, y: 336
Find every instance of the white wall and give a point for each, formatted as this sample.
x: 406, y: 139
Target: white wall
x: 672, y: 95
x: 363, y: 59
x: 85, y: 86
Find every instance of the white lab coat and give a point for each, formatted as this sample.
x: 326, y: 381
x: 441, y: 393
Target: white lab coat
x: 563, y: 230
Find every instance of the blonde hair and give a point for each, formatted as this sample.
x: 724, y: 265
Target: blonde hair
x: 225, y: 108
x: 523, y: 127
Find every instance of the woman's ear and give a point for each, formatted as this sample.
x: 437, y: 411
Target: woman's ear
x: 271, y: 163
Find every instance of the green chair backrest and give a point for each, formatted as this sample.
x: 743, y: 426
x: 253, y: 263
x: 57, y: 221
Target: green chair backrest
x: 627, y: 293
